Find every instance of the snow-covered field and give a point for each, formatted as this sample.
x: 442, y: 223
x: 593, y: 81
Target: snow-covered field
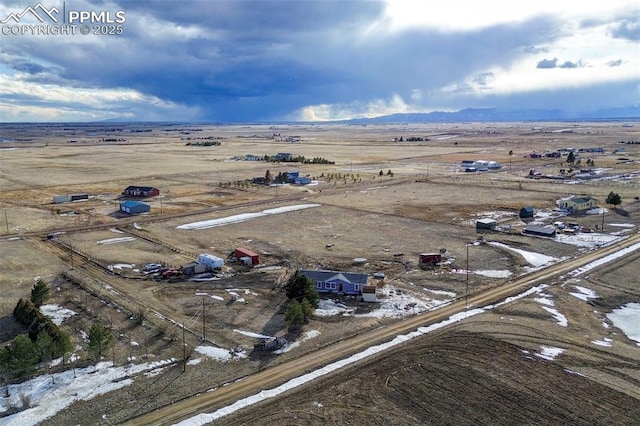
x: 532, y: 258
x: 627, y: 319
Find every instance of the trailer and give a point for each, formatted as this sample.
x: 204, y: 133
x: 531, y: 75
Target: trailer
x: 210, y: 261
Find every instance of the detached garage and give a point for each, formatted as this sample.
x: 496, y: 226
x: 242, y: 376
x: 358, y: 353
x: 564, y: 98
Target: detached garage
x: 134, y: 207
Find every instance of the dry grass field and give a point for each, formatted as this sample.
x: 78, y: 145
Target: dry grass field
x: 383, y: 200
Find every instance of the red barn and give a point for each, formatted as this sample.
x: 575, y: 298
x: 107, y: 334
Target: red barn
x: 243, y: 252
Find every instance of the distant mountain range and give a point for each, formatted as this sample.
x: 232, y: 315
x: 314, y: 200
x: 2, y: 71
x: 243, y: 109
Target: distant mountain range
x: 497, y: 115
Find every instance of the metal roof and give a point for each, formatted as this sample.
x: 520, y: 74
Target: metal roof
x: 352, y: 277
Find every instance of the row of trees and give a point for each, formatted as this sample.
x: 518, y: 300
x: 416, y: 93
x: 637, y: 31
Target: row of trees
x: 44, y: 340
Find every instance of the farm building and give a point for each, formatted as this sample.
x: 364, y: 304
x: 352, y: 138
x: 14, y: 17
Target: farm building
x: 141, y: 191
x: 337, y: 282
x: 134, y: 207
x: 526, y: 212
x: 486, y: 224
x: 291, y: 175
x: 57, y: 199
x: 541, y: 231
x: 467, y: 163
x: 576, y: 204
x: 247, y: 256
x: 78, y: 197
x: 210, y: 261
x: 194, y: 268
x: 251, y: 157
x: 429, y: 260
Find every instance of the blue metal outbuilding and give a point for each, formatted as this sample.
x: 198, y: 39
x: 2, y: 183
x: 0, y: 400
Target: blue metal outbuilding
x: 134, y: 207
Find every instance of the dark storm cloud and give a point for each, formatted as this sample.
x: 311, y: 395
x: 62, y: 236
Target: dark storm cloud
x: 569, y: 64
x: 626, y: 29
x: 260, y: 60
x: 547, y: 63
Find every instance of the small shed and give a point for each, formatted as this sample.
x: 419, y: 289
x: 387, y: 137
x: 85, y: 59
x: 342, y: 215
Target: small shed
x: 134, y: 207
x: 193, y: 268
x: 79, y: 197
x: 526, y: 212
x: 210, y: 261
x: 541, y: 231
x: 429, y: 260
x: 369, y: 293
x: 486, y: 224
x: 57, y: 199
x: 243, y: 252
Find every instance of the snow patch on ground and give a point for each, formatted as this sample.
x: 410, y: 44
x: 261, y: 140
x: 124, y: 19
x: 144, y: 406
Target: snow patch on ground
x: 532, y: 258
x: 116, y: 240
x: 51, y: 393
x: 57, y: 313
x: 584, y: 293
x: 306, y: 336
x: 219, y: 354
x: 604, y: 342
x: 395, y: 303
x: 494, y: 273
x: 547, y: 304
x: 117, y: 231
x: 329, y: 307
x: 549, y: 352
x: 441, y: 292
x: 627, y: 319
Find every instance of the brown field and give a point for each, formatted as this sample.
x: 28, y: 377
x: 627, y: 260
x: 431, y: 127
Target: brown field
x: 474, y: 372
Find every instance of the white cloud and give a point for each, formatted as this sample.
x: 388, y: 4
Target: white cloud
x: 346, y: 111
x: 464, y: 15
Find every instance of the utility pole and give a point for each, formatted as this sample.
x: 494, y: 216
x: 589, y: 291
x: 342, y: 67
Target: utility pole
x: 184, y: 352
x: 466, y: 303
x: 602, y: 230
x: 204, y: 332
x: 6, y: 221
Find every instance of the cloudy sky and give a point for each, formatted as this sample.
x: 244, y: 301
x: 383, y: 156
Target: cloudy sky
x: 320, y: 59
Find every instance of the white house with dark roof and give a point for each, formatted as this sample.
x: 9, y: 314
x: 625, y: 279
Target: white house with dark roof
x: 575, y: 204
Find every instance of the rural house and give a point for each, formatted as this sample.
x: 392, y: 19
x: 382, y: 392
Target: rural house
x: 337, y: 282
x: 576, y: 204
x: 140, y: 191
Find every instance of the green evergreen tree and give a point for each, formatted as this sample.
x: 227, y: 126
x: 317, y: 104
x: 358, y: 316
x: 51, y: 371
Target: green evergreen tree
x: 40, y: 293
x: 294, y: 315
x: 613, y: 199
x: 300, y: 287
x: 100, y: 338
x: 46, y: 346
